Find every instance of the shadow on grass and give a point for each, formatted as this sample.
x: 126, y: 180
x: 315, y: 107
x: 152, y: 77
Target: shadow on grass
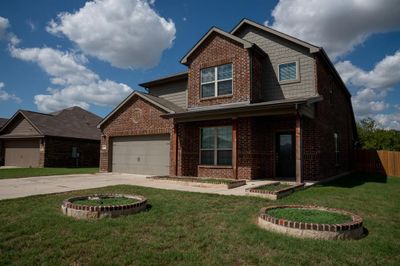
x: 356, y: 179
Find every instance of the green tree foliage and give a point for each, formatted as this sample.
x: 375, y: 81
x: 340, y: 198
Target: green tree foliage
x: 373, y: 138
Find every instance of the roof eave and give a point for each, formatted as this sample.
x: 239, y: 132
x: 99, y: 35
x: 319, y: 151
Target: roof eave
x: 164, y: 80
x: 250, y: 107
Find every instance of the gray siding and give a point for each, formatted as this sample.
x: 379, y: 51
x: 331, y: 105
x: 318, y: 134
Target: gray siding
x: 282, y: 51
x: 21, y: 127
x: 174, y: 92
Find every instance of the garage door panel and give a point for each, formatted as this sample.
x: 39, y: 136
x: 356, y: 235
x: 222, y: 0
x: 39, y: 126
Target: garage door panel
x: 22, y: 153
x: 141, y: 154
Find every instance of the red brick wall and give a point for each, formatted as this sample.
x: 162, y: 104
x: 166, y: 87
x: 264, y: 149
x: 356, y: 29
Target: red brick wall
x: 255, y: 147
x: 58, y: 152
x: 257, y: 72
x: 318, y: 142
x: 219, y: 50
x: 136, y: 117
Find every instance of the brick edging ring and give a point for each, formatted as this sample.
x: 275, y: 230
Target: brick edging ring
x: 91, y: 212
x: 349, y: 230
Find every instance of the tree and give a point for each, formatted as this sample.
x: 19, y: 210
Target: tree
x: 371, y: 137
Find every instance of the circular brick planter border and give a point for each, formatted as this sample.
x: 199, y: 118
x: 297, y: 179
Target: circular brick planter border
x: 350, y: 230
x: 94, y: 212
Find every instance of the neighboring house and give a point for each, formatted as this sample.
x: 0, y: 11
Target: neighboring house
x: 67, y: 138
x: 3, y: 121
x: 254, y: 103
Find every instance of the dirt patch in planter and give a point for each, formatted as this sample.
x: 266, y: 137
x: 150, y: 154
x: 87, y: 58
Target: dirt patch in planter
x: 114, y: 205
x: 352, y: 229
x: 202, y: 181
x: 274, y: 190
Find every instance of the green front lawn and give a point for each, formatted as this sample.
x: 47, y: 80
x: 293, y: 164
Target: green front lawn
x: 27, y: 172
x: 182, y: 228
x: 309, y: 216
x: 275, y: 187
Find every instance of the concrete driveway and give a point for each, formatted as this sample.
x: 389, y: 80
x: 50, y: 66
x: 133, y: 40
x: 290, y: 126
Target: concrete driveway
x: 22, y: 187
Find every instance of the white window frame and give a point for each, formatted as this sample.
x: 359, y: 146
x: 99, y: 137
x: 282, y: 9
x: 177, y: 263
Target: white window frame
x: 297, y: 79
x: 215, y: 149
x: 215, y: 81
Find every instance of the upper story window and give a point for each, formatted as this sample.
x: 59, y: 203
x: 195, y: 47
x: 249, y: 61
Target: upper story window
x: 288, y: 71
x: 216, y: 145
x: 216, y: 81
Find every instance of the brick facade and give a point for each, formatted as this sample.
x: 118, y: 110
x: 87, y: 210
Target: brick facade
x: 219, y: 50
x: 332, y: 115
x: 136, y: 117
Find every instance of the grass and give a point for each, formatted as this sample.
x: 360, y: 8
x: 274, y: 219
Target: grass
x: 27, y: 172
x: 275, y: 187
x: 105, y: 201
x: 309, y: 216
x: 217, y: 181
x: 183, y: 228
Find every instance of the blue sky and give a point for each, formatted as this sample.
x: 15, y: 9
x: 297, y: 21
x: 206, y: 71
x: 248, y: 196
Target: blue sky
x: 54, y: 54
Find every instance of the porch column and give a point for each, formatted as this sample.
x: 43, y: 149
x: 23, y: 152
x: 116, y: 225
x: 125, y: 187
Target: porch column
x: 174, y: 162
x: 299, y: 177
x: 234, y: 147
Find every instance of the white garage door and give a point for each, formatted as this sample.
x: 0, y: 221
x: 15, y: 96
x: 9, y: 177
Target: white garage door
x: 141, y: 155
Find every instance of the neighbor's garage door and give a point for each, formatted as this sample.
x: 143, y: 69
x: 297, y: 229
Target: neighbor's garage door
x: 141, y: 154
x: 23, y: 153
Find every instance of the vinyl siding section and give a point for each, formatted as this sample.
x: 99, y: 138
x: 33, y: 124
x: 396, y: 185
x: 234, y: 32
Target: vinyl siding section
x: 174, y: 92
x: 21, y: 127
x: 282, y: 51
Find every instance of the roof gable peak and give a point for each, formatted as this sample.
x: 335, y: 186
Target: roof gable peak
x: 246, y: 44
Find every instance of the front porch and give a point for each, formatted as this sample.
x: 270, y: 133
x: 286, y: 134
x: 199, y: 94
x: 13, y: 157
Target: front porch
x: 260, y: 147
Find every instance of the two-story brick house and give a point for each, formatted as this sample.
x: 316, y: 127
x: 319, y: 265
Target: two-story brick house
x: 254, y: 103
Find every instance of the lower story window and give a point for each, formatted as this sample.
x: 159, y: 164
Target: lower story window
x: 216, y: 145
x: 336, y: 139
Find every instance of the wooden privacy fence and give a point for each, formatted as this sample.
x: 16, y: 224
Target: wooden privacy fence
x: 385, y: 162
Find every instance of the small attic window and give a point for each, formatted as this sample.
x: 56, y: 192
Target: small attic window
x: 288, y: 72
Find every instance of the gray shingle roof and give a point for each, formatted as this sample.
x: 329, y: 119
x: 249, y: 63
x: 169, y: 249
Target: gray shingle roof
x: 3, y: 121
x: 73, y: 122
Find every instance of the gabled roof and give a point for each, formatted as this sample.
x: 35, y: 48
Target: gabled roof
x: 73, y: 122
x: 245, y: 43
x: 312, y: 48
x: 165, y: 105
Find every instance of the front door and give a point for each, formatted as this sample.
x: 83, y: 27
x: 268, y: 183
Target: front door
x: 285, y: 155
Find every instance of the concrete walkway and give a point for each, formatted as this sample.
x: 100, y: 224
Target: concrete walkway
x: 22, y: 187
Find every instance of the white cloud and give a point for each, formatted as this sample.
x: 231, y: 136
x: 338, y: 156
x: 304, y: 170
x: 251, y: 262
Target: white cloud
x: 32, y: 25
x: 388, y: 121
x: 338, y: 25
x: 385, y: 74
x: 7, y: 36
x: 368, y: 101
x: 373, y: 88
x: 5, y: 96
x: 125, y: 33
x: 74, y: 83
